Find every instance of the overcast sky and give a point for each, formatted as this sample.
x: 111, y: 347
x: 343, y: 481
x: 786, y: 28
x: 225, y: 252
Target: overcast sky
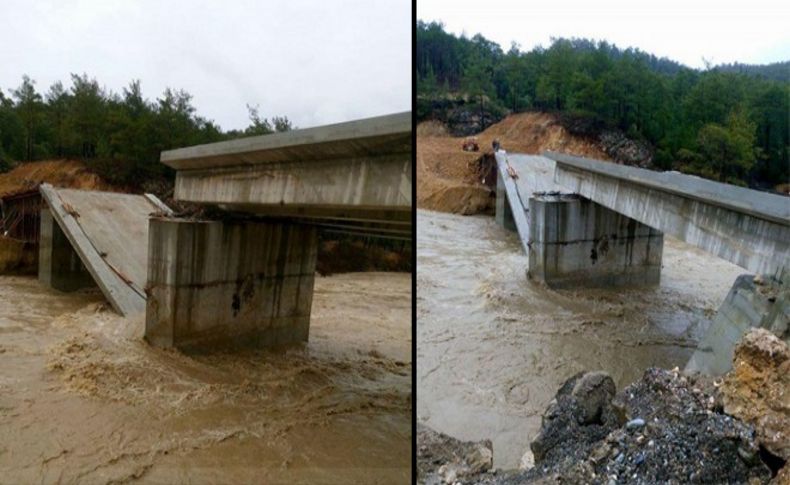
x: 315, y: 62
x: 749, y: 31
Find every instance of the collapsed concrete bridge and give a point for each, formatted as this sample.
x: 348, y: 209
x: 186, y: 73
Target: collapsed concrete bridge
x: 249, y: 277
x: 746, y: 227
x: 586, y: 222
x: 246, y: 274
x: 92, y: 238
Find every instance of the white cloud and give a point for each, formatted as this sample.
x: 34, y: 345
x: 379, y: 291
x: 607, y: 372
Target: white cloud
x: 683, y: 30
x: 315, y: 62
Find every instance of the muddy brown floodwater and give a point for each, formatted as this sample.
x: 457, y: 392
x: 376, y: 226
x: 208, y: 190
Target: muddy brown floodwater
x: 84, y: 399
x: 493, y: 348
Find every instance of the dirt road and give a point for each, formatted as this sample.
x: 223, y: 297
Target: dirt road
x: 84, y: 399
x: 493, y: 348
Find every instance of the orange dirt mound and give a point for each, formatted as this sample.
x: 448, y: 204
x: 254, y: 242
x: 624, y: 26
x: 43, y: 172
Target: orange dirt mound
x: 757, y: 390
x: 60, y: 173
x: 448, y: 177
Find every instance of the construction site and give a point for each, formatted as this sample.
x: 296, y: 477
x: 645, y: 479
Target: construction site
x: 583, y: 319
x: 228, y: 333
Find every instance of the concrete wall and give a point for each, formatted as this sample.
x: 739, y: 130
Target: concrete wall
x: 746, y: 306
x: 232, y: 282
x: 575, y: 242
x: 59, y: 266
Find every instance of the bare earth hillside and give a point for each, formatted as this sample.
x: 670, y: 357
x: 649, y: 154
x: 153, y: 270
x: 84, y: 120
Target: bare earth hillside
x: 449, y: 179
x: 60, y: 173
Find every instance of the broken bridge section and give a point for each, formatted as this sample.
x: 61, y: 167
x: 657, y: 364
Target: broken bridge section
x: 746, y: 227
x: 97, y: 238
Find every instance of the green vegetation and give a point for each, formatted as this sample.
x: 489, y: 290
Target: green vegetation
x: 729, y: 123
x: 121, y: 135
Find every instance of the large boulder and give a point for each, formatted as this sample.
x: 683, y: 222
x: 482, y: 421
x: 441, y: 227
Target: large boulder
x: 593, y: 392
x: 579, y: 415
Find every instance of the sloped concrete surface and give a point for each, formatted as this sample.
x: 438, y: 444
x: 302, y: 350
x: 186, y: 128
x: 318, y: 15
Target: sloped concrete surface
x: 109, y: 232
x: 534, y: 174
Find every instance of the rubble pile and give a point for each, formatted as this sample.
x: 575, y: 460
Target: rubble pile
x: 443, y: 459
x: 666, y: 428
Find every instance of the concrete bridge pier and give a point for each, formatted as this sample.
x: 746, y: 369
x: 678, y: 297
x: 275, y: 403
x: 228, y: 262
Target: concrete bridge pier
x: 575, y: 242
x: 229, y: 282
x: 751, y: 303
x: 59, y: 265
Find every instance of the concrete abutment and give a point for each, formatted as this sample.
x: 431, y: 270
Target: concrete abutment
x: 235, y: 282
x: 752, y: 302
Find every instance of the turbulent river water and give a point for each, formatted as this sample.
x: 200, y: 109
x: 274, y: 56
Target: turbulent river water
x: 84, y: 400
x: 493, y: 348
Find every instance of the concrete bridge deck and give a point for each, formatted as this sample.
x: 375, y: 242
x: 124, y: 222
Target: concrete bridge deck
x: 355, y: 175
x: 746, y: 227
x: 97, y: 238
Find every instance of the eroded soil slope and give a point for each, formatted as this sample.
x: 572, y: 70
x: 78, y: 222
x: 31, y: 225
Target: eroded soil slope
x: 60, y: 173
x: 449, y: 179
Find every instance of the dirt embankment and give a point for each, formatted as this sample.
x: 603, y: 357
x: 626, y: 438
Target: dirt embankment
x: 72, y: 174
x: 450, y: 179
x: 18, y: 207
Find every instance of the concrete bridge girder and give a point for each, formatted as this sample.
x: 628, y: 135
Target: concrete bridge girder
x: 748, y: 228
x: 380, y: 182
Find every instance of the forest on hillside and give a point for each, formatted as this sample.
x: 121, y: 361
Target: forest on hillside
x: 728, y: 123
x: 119, y: 134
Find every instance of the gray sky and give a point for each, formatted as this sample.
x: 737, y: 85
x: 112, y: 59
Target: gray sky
x: 749, y: 31
x: 315, y: 62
